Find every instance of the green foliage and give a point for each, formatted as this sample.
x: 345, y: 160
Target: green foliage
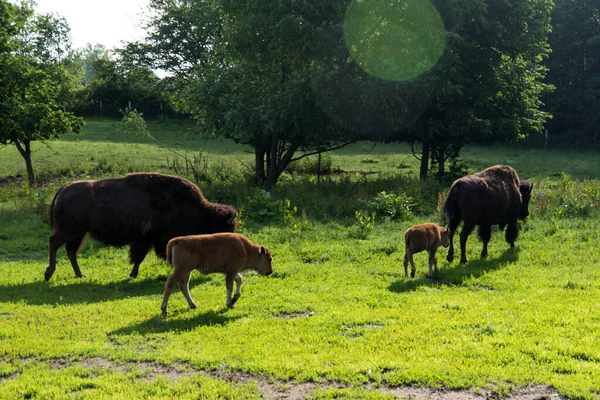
x: 391, y: 205
x: 134, y: 122
x: 35, y: 81
x: 364, y: 222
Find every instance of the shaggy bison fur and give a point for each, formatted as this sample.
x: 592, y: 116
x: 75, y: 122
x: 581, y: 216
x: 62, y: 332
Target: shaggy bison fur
x: 143, y: 210
x: 227, y: 253
x: 418, y: 238
x: 494, y: 196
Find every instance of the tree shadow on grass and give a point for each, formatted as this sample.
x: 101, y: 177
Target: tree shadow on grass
x: 456, y: 274
x: 175, y: 323
x: 81, y: 291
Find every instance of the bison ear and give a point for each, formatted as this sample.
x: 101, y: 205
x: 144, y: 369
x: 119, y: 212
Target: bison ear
x: 262, y: 251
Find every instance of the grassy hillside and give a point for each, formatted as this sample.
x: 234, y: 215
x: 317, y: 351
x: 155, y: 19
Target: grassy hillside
x: 337, y: 319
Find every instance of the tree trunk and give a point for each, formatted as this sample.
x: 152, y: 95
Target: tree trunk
x: 259, y: 164
x: 441, y: 160
x: 425, y: 155
x: 26, y: 154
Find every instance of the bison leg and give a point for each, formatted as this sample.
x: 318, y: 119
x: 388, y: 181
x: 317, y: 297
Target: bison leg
x: 231, y: 300
x: 452, y: 227
x: 450, y: 256
x: 511, y: 232
x: 171, y: 282
x: 54, y: 243
x: 184, y: 285
x: 408, y: 258
x: 485, y: 234
x: 464, y: 235
x: 432, y: 262
x: 137, y: 253
x: 72, y: 248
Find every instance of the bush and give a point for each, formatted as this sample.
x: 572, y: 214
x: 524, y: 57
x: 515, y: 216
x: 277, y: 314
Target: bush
x: 395, y: 206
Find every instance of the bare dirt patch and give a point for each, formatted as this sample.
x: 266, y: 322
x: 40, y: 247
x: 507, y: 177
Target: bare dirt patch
x: 279, y: 390
x: 296, y: 315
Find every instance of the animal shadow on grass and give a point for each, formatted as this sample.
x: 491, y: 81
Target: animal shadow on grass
x: 160, y: 324
x: 82, y: 291
x: 455, y: 274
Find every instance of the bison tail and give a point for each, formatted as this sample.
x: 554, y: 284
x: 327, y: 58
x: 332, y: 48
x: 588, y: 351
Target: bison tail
x: 170, y: 254
x: 51, y: 209
x: 451, y: 204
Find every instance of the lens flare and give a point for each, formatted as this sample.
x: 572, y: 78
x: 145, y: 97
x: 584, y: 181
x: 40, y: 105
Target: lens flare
x: 394, y: 40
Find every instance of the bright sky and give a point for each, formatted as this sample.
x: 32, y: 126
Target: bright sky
x: 108, y: 22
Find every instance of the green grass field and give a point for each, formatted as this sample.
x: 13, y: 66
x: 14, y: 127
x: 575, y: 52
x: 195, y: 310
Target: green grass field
x: 337, y: 319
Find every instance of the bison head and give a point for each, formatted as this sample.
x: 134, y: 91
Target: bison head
x: 525, y: 187
x: 265, y: 259
x: 224, y: 219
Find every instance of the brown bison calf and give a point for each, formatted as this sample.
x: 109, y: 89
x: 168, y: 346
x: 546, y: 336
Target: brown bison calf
x: 417, y: 238
x: 228, y: 253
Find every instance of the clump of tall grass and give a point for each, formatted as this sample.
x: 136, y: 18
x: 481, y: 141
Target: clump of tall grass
x: 566, y: 197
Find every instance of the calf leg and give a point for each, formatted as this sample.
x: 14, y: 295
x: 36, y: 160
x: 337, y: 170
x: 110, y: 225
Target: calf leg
x: 432, y: 261
x: 137, y: 253
x: 173, y: 280
x: 184, y: 285
x: 72, y: 248
x: 54, y: 243
x: 408, y: 257
x: 485, y: 234
x: 464, y: 235
x: 230, y: 278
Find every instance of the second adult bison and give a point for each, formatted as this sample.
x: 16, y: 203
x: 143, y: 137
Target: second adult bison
x: 494, y: 196
x: 143, y: 210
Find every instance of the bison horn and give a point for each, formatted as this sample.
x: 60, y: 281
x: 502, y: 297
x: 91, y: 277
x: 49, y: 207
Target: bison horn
x: 232, y: 218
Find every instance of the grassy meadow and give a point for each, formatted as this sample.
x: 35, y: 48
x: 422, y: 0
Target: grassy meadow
x: 337, y: 319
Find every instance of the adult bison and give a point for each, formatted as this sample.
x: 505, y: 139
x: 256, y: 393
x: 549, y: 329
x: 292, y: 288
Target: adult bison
x: 143, y: 210
x: 494, y: 196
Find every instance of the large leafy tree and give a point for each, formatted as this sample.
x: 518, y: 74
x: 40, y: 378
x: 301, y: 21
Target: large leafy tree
x: 488, y: 83
x: 35, y: 81
x: 248, y: 71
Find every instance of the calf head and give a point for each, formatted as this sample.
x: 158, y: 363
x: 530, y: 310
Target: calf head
x: 525, y: 187
x: 444, y: 237
x: 264, y: 266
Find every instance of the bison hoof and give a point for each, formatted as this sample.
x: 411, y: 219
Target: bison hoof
x: 412, y: 274
x: 133, y: 275
x: 450, y: 257
x: 463, y: 260
x: 235, y: 298
x: 164, y: 312
x: 48, y: 275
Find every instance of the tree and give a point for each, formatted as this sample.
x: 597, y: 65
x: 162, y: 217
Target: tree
x: 33, y: 80
x: 575, y: 71
x: 248, y: 71
x: 488, y: 84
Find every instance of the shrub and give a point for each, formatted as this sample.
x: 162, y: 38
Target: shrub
x: 395, y: 206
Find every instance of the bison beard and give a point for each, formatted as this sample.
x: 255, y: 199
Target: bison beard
x: 494, y: 196
x: 143, y: 210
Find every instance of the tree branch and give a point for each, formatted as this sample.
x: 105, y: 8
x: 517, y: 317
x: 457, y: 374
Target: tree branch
x: 322, y: 151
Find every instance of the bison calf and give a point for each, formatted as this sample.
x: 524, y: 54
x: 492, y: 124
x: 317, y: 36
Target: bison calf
x: 417, y: 238
x: 227, y: 253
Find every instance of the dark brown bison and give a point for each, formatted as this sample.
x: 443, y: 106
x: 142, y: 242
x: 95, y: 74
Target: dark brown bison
x: 418, y: 238
x: 494, y: 196
x: 227, y: 253
x: 143, y: 210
